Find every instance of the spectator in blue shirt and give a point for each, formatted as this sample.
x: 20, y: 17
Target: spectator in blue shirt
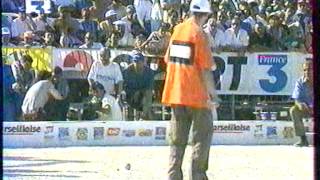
x: 138, y: 85
x: 87, y: 24
x: 303, y: 96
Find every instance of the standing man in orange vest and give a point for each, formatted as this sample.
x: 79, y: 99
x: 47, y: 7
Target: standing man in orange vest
x: 189, y: 89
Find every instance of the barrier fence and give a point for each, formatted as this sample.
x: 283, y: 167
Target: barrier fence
x: 94, y: 133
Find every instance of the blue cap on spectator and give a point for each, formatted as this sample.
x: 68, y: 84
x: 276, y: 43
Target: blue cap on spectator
x: 137, y: 56
x: 5, y: 31
x: 110, y: 13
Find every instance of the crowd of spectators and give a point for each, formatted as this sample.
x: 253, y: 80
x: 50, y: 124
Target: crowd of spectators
x: 247, y: 25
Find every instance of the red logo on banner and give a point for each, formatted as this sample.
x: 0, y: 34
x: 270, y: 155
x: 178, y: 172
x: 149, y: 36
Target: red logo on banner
x: 80, y: 59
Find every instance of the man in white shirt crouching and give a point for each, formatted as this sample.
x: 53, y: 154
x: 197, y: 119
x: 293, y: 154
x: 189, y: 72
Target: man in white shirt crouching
x: 37, y: 97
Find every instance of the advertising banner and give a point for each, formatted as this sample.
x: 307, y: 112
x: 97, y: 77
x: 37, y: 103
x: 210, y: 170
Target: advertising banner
x: 258, y: 73
x: 97, y: 133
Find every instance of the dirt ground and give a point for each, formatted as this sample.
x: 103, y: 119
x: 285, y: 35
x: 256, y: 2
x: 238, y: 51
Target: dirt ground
x: 150, y: 163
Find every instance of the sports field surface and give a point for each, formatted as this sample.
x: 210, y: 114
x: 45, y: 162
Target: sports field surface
x: 151, y: 163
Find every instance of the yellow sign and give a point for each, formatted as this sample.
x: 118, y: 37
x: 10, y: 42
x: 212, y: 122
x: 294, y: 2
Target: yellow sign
x: 41, y: 57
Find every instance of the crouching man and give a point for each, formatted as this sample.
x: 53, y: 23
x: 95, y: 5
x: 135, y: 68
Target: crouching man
x: 105, y: 105
x: 37, y: 97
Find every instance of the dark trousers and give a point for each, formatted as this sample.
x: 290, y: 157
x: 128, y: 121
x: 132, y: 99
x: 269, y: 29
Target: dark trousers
x: 201, y: 121
x: 57, y: 110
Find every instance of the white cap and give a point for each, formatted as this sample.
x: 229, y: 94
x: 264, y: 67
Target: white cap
x: 200, y: 6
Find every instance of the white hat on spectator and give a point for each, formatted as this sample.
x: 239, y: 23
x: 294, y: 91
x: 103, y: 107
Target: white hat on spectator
x: 5, y: 31
x: 110, y: 13
x: 202, y: 6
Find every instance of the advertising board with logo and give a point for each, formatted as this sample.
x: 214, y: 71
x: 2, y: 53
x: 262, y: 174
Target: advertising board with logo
x: 64, y: 133
x: 113, y: 131
x: 128, y: 133
x: 258, y: 73
x: 231, y: 128
x: 61, y: 134
x: 160, y: 133
x: 98, y: 133
x: 288, y: 132
x: 38, y: 6
x: 82, y: 134
x: 258, y: 131
x: 49, y: 133
x: 144, y: 132
x: 272, y: 132
x: 21, y: 130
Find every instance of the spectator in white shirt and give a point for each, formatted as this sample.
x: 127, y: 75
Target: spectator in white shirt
x: 43, y: 23
x: 236, y: 39
x: 107, y: 73
x: 124, y: 37
x: 21, y: 24
x: 89, y: 42
x: 216, y: 35
x: 36, y: 98
x: 128, y: 19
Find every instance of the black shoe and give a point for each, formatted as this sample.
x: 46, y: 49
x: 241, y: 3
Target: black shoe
x: 302, y: 144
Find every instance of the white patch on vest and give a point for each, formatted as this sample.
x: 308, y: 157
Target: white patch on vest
x: 180, y: 51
